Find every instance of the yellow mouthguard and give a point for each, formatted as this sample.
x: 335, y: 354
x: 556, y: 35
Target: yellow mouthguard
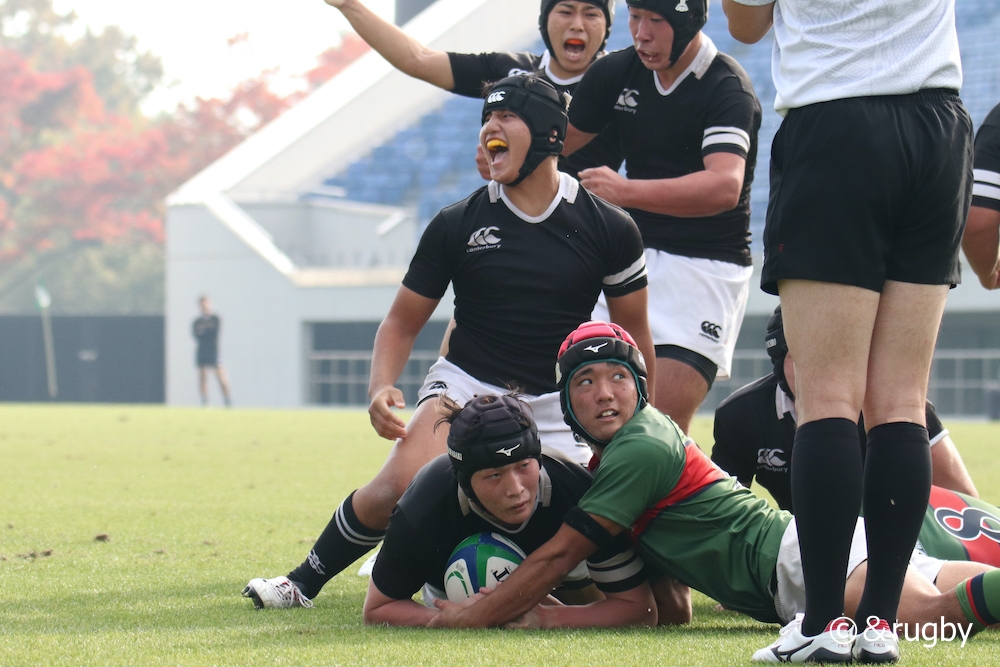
x: 496, y: 143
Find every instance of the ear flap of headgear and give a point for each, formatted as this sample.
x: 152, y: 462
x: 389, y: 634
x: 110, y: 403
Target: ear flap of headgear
x: 590, y: 343
x: 607, y: 6
x: 490, y: 432
x: 686, y: 17
x: 777, y: 349
x: 540, y: 106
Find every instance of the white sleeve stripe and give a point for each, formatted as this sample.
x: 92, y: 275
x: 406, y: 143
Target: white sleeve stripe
x: 618, y: 574
x: 733, y: 139
x: 939, y: 437
x: 635, y: 271
x: 986, y: 176
x: 728, y: 130
x: 983, y: 190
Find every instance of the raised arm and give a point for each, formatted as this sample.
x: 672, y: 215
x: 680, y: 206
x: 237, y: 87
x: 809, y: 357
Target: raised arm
x: 748, y: 24
x: 393, y: 344
x: 402, y: 51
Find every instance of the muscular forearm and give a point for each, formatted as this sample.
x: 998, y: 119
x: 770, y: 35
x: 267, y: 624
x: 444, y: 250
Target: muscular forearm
x: 393, y: 344
x: 981, y: 244
x: 402, y: 51
x: 399, y: 612
x: 696, y: 195
x: 614, y: 612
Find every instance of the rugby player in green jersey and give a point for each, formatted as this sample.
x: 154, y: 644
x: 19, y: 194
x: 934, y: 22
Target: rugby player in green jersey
x: 697, y: 526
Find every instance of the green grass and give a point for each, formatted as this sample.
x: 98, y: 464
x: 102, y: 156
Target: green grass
x: 194, y: 503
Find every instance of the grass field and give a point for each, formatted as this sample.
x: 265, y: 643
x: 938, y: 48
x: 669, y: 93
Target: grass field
x: 127, y: 533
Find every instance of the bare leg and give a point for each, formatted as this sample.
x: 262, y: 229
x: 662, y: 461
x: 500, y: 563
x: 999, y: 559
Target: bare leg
x: 220, y: 373
x: 680, y: 391
x: 897, y: 475
x: 828, y: 328
x: 374, y: 501
x: 203, y: 384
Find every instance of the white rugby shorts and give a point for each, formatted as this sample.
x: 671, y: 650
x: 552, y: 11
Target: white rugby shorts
x: 445, y: 378
x: 694, y: 303
x: 790, y: 598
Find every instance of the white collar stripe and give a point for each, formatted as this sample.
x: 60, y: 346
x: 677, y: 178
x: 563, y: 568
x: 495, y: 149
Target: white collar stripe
x: 568, y: 188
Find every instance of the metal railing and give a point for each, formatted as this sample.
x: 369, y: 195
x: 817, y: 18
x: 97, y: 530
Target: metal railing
x: 962, y: 383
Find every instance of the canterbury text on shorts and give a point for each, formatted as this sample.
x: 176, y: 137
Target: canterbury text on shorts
x: 445, y: 378
x: 869, y: 189
x: 790, y: 597
x: 696, y: 304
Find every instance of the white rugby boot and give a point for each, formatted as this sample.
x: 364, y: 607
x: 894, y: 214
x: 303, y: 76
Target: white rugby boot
x: 276, y: 593
x: 834, y: 644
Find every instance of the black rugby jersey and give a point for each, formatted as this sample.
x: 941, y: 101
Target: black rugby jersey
x: 206, y: 334
x: 521, y: 286
x: 473, y: 71
x: 434, y: 516
x: 986, y: 189
x: 710, y: 109
x: 753, y: 440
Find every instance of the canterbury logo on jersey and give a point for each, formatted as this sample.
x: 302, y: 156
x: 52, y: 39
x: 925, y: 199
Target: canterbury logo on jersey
x: 628, y: 100
x: 771, y: 458
x: 711, y: 331
x: 496, y: 97
x: 483, y: 239
x: 514, y: 71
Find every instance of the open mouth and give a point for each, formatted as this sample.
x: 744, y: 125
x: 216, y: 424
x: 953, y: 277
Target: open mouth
x: 608, y: 414
x: 574, y: 48
x: 496, y: 148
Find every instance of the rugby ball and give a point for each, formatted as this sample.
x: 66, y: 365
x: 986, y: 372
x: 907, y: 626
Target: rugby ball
x: 483, y: 559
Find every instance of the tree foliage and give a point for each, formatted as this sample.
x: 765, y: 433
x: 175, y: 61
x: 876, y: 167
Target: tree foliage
x: 81, y: 168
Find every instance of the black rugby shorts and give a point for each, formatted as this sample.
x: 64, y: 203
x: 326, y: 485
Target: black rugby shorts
x: 869, y: 189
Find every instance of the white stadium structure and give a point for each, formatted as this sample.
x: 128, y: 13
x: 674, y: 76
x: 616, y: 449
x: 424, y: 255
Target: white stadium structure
x: 301, y: 234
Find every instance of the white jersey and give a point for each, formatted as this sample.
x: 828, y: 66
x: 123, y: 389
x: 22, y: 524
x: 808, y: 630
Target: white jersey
x: 834, y: 49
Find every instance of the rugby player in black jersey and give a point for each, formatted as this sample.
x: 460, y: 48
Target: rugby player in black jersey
x: 687, y: 119
x: 497, y: 478
x: 755, y: 430
x: 981, y: 241
x: 574, y: 32
x: 527, y: 257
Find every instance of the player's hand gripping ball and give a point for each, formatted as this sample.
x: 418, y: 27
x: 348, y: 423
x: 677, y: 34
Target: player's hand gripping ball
x: 484, y: 559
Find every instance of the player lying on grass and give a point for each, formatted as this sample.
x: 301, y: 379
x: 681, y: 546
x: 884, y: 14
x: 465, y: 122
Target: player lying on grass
x: 754, y: 433
x: 497, y: 478
x: 574, y: 32
x: 697, y: 524
x: 527, y: 257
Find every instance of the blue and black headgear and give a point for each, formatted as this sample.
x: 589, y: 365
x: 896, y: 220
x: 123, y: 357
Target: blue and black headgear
x: 540, y: 106
x: 591, y: 343
x: 777, y: 349
x: 490, y: 432
x: 686, y: 17
x: 607, y: 6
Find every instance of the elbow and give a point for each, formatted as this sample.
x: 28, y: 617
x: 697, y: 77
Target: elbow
x: 745, y: 35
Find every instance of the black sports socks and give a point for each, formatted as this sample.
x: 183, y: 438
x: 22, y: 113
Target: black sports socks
x: 897, y: 484
x: 344, y: 540
x: 826, y: 494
